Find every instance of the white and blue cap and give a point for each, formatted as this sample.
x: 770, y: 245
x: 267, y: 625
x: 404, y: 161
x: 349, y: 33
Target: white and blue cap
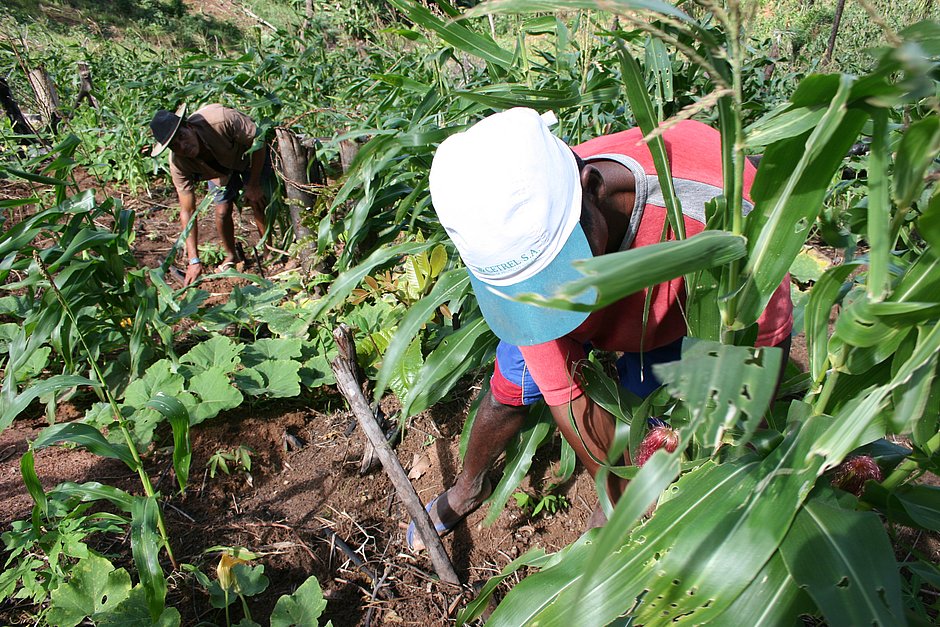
x: 508, y: 192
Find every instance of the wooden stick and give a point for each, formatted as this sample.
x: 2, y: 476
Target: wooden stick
x: 343, y: 368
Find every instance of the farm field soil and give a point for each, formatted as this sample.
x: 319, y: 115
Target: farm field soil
x: 298, y: 504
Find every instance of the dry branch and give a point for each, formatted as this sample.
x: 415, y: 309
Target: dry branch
x: 344, y: 367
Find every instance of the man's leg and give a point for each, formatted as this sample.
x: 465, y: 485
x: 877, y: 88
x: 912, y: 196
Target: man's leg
x: 495, y: 424
x: 257, y: 212
x: 225, y: 225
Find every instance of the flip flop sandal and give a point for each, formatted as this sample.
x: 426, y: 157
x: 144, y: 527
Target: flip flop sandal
x: 226, y: 265
x: 440, y: 527
x: 443, y: 528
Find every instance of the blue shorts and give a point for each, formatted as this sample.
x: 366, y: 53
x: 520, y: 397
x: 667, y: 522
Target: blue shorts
x: 513, y: 369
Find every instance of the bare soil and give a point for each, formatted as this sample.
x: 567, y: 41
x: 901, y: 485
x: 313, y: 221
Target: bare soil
x: 297, y: 507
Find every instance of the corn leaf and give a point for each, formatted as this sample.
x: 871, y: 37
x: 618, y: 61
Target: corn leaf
x: 853, y: 583
x: 917, y: 150
x: 722, y: 383
x: 457, y: 35
x: 46, y: 386
x: 32, y: 483
x: 616, y: 275
x: 87, y: 437
x: 175, y: 412
x: 145, y: 546
x: 94, y: 491
x: 878, y: 227
x: 788, y: 192
x: 772, y: 600
x: 456, y: 355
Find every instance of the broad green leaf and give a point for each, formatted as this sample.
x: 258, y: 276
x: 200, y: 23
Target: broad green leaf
x: 722, y: 383
x: 87, y: 437
x: 809, y: 265
x: 278, y: 378
x: 616, y: 275
x: 843, y: 559
x: 145, y: 546
x: 46, y: 386
x: 270, y: 348
x: 216, y: 394
x: 134, y: 612
x: 249, y: 580
x: 175, y: 412
x: 448, y: 287
x: 219, y: 351
x: 538, y: 426
x: 94, y: 589
x: 300, y: 609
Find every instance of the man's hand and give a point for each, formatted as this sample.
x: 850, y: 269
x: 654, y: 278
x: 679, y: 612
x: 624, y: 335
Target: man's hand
x: 192, y: 273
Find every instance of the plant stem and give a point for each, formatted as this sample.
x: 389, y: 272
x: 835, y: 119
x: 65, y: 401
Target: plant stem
x: 122, y: 423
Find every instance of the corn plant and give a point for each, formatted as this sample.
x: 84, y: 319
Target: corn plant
x: 756, y: 534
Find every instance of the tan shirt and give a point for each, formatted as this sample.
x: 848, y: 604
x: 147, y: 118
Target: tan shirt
x: 225, y: 135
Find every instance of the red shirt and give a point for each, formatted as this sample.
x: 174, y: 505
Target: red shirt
x: 694, y: 151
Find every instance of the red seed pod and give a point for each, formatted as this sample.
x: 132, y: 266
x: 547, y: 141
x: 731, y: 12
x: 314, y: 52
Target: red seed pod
x: 660, y: 436
x: 852, y: 474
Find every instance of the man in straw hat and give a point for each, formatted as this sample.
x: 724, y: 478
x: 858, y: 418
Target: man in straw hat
x: 213, y: 144
x: 521, y: 207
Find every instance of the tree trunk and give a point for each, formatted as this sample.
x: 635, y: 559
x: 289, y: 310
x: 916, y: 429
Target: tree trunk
x: 47, y: 96
x: 840, y: 5
x: 20, y: 125
x: 348, y: 149
x: 85, y: 87
x: 302, y: 174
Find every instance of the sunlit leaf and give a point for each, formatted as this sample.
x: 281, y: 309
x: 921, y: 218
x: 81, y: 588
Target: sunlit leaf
x: 302, y: 608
